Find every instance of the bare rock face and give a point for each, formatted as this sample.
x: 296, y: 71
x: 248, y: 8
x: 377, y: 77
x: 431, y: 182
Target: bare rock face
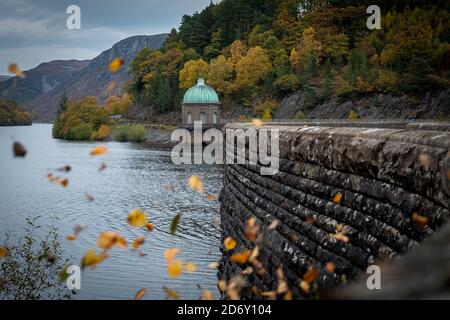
x: 432, y: 105
x: 394, y: 191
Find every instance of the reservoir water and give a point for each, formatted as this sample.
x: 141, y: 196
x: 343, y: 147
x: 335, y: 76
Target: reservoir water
x: 135, y: 177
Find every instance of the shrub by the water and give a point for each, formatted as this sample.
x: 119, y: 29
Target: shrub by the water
x: 132, y: 133
x: 12, y: 115
x: 81, y: 120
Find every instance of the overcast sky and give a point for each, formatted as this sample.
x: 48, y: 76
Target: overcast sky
x: 34, y: 31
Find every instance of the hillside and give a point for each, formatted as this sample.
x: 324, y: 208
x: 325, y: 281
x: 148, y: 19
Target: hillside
x: 39, y: 80
x: 42, y: 89
x: 4, y: 78
x: 263, y: 57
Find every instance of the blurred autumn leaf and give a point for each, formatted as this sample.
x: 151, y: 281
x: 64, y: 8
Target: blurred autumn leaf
x: 140, y: 294
x: 108, y: 239
x: 174, y: 224
x: 229, y: 243
x: 257, y: 122
x: 337, y: 198
x: 241, y: 257
x: 92, y: 259
x: 115, y: 65
x: 19, y: 150
x: 3, y: 252
x: 99, y: 151
x: 14, y: 69
x: 196, y: 184
x: 137, y: 218
x: 171, y: 294
x: 190, y: 267
x: 174, y: 268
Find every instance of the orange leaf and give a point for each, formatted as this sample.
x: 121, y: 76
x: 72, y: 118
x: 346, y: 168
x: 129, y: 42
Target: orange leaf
x: 305, y: 286
x: 174, y: 268
x: 257, y: 122
x: 311, y: 274
x: 109, y: 239
x: 115, y: 65
x: 150, y: 227
x: 3, y: 252
x: 229, y: 243
x: 273, y: 225
x: 140, y: 294
x: 170, y: 254
x: 211, y: 197
x: 330, y: 266
x: 419, y: 219
x: 241, y: 257
x: 13, y: 68
x: 207, y: 295
x: 64, y: 182
x: 341, y: 237
x: 337, y: 198
x: 99, y: 151
x: 138, y: 242
x: 71, y: 237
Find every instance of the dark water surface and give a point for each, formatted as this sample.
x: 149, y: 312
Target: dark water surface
x: 134, y: 178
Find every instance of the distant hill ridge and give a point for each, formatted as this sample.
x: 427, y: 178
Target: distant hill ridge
x: 43, y: 87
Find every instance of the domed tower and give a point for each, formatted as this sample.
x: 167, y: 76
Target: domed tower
x: 201, y: 103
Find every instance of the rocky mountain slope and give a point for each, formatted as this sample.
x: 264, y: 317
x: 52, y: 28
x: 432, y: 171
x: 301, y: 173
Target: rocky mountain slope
x: 42, y: 89
x: 4, y: 78
x: 40, y: 80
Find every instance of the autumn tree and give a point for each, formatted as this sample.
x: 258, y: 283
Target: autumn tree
x: 252, y: 69
x: 192, y: 71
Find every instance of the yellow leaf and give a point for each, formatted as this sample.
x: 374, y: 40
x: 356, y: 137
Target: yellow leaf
x: 115, y: 65
x: 190, y: 267
x: 3, y: 252
x: 337, y: 198
x: 170, y: 254
x: 140, y: 294
x: 91, y: 259
x: 138, y: 242
x: 207, y: 295
x: 13, y: 68
x: 341, y: 237
x: 174, y: 268
x: 137, y: 218
x: 171, y: 294
x: 229, y: 243
x: 255, y: 254
x: 111, y: 86
x: 288, y: 295
x: 241, y: 257
x: 196, y: 184
x: 109, y: 239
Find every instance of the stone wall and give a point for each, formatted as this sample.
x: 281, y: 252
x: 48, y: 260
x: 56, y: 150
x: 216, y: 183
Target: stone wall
x: 383, y: 189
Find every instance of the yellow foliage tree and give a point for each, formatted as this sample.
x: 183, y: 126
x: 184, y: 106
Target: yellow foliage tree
x: 192, y: 71
x: 307, y: 46
x: 252, y: 69
x: 220, y: 74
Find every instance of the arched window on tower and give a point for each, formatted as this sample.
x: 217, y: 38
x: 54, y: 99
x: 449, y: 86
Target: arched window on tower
x: 202, y: 117
x: 189, y: 118
x: 215, y: 117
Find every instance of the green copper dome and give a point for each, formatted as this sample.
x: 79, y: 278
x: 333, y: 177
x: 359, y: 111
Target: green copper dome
x: 201, y: 93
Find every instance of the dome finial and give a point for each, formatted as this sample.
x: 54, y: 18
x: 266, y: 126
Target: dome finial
x: 201, y: 82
